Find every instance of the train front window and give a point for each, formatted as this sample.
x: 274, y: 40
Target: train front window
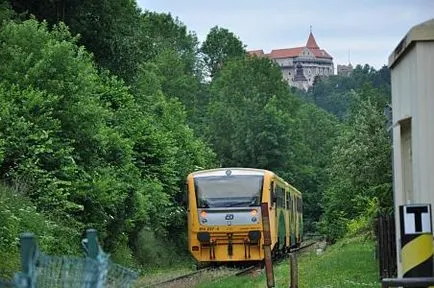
x: 228, y: 191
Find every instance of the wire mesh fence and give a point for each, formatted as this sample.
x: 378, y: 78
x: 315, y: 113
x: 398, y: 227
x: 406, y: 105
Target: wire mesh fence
x: 94, y: 271
x: 6, y: 284
x: 65, y: 272
x: 119, y: 276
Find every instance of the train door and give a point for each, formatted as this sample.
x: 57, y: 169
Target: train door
x: 273, y: 212
x: 288, y: 217
x: 280, y: 215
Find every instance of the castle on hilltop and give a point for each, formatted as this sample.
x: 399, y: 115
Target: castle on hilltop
x: 300, y: 65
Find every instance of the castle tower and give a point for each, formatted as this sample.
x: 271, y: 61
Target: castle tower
x: 300, y: 65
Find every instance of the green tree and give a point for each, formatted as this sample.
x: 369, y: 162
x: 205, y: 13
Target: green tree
x: 6, y: 12
x: 219, y: 46
x: 316, y: 136
x: 360, y: 169
x: 250, y: 115
x: 334, y: 93
x: 111, y: 30
x: 86, y: 148
x: 168, y: 33
x: 58, y: 144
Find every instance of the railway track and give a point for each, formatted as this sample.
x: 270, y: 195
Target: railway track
x: 189, y: 279
x: 249, y: 270
x: 304, y: 246
x: 178, y: 278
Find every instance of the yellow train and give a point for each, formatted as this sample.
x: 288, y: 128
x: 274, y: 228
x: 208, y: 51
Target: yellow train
x: 224, y: 214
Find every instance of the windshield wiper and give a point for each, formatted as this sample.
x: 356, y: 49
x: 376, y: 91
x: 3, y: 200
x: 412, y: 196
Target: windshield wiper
x: 237, y: 204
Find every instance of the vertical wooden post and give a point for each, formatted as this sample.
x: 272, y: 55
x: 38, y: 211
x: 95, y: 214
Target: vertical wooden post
x: 267, y: 245
x: 293, y: 270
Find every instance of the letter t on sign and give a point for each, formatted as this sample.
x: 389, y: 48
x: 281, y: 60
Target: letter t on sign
x: 417, y: 219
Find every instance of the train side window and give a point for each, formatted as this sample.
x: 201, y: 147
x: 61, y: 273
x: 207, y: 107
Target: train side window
x: 280, y: 193
x: 272, y: 193
x: 290, y: 201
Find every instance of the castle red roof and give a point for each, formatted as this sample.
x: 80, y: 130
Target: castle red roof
x: 320, y: 53
x: 295, y: 52
x: 285, y: 53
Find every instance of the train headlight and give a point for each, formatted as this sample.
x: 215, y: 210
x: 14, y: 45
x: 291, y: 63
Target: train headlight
x: 254, y: 219
x: 254, y: 235
x: 203, y: 214
x: 203, y: 237
x: 254, y: 212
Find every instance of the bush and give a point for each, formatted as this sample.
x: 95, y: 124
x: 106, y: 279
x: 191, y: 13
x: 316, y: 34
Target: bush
x: 364, y: 224
x: 152, y: 250
x: 122, y: 254
x: 17, y: 215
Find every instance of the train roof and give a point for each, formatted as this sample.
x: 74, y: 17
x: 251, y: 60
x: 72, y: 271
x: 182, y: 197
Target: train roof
x: 239, y: 171
x: 224, y: 171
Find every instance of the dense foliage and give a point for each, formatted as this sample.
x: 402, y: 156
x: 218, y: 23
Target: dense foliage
x: 334, y: 93
x: 105, y: 109
x: 85, y: 148
x: 360, y: 171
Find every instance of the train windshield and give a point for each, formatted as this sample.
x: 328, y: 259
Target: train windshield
x: 228, y: 191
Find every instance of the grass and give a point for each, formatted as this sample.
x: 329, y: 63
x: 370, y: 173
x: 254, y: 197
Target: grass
x: 347, y: 264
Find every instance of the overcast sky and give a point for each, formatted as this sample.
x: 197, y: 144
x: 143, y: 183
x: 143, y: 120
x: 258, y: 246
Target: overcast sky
x: 365, y: 30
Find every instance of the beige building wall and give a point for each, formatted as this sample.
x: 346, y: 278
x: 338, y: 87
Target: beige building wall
x: 412, y: 75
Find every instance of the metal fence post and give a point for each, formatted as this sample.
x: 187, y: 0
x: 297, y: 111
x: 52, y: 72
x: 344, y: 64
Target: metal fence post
x: 92, y: 243
x: 27, y: 255
x: 92, y: 252
x: 95, y: 252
